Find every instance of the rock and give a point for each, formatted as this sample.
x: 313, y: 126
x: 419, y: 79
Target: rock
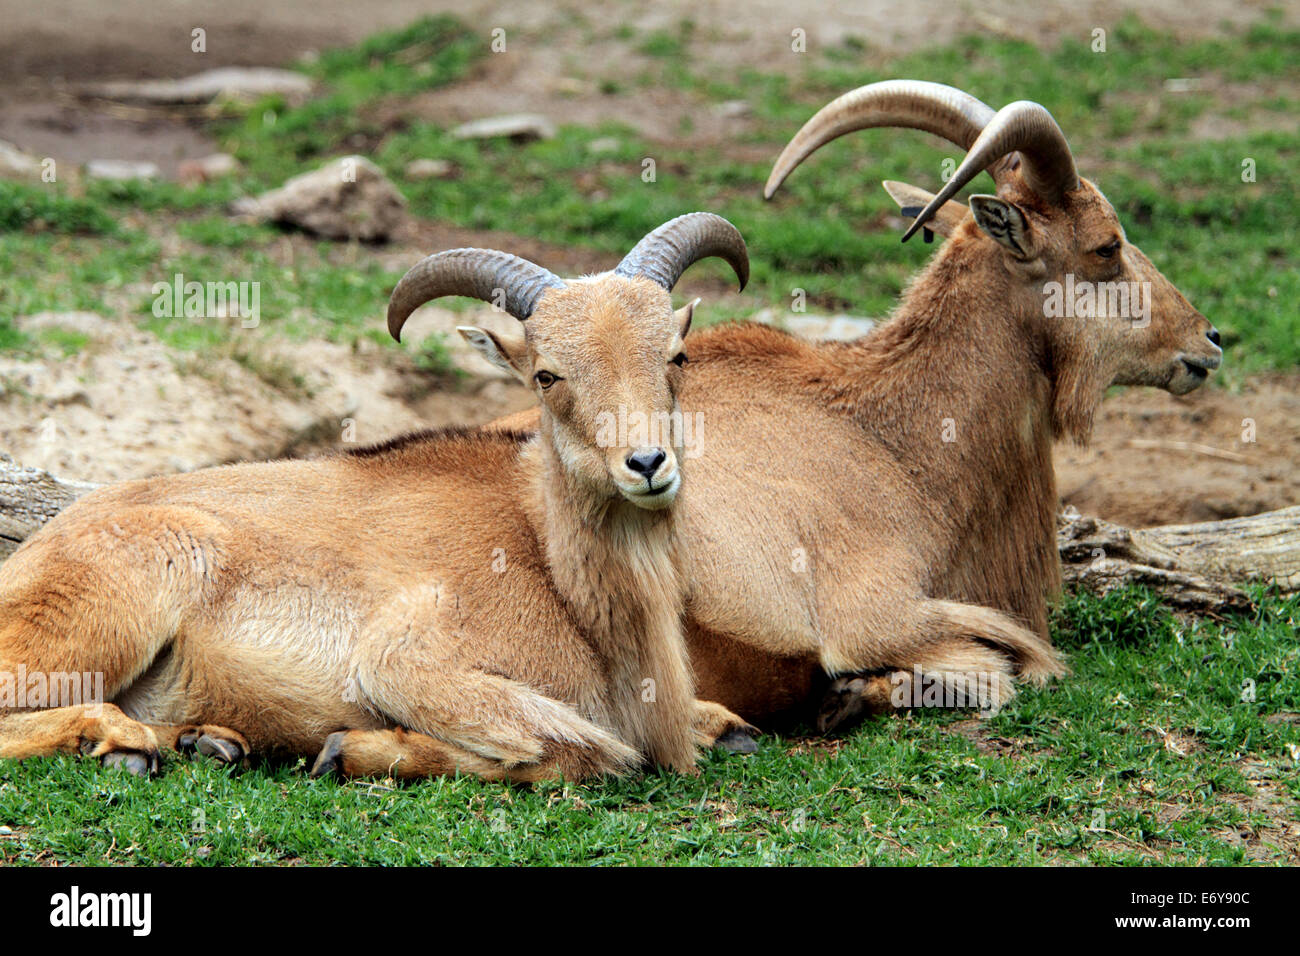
x: 194, y: 171
x: 15, y: 164
x: 817, y: 328
x: 519, y: 127
x: 829, y: 328
x: 245, y: 83
x: 733, y: 109
x: 86, y: 323
x: 349, y: 198
x: 121, y: 169
x: 429, y: 169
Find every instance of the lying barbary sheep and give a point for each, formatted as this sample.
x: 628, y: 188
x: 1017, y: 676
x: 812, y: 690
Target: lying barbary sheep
x: 887, y: 506
x: 457, y: 601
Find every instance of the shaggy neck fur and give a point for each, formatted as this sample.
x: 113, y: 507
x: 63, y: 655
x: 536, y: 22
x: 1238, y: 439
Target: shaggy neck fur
x: 969, y: 394
x: 617, y: 568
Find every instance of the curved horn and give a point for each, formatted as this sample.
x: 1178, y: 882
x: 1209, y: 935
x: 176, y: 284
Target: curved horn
x: 480, y: 273
x: 914, y: 104
x: 1046, y: 162
x: 664, y: 254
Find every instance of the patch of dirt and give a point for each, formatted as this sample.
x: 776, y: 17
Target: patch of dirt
x: 53, y: 123
x: 1156, y: 458
x: 1219, y: 99
x: 986, y: 742
x: 87, y: 38
x: 129, y: 406
x: 561, y: 59
x: 1277, y: 840
x: 1177, y: 742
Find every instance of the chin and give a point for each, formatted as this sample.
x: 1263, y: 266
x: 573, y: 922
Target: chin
x: 1184, y: 381
x: 656, y: 500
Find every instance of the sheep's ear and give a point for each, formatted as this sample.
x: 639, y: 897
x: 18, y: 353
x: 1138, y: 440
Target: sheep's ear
x: 912, y: 199
x: 684, y: 316
x: 507, y: 352
x: 1006, y: 223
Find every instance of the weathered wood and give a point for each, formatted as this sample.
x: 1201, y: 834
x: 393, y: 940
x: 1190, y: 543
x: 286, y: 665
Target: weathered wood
x: 1195, y: 567
x: 1192, y: 566
x: 30, y: 497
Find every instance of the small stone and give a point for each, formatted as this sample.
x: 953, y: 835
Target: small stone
x: 15, y: 164
x: 121, y: 169
x: 418, y: 169
x: 605, y: 144
x: 819, y: 328
x: 194, y: 171
x: 519, y: 127
x: 733, y: 109
x: 243, y: 83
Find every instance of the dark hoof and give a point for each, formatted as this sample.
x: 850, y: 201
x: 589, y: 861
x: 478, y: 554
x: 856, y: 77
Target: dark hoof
x: 330, y: 759
x: 226, y: 751
x: 843, y: 706
x: 221, y: 749
x: 132, y: 761
x: 737, y: 741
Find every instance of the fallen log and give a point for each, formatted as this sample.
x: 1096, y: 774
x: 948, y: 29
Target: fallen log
x: 1194, y: 567
x: 30, y: 497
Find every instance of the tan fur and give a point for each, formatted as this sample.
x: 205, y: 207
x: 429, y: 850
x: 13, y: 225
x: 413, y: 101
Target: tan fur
x: 829, y: 527
x: 456, y: 601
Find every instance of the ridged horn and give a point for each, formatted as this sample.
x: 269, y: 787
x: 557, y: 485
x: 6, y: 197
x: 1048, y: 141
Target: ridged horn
x: 1046, y: 162
x: 479, y: 273
x: 664, y: 254
x: 913, y: 104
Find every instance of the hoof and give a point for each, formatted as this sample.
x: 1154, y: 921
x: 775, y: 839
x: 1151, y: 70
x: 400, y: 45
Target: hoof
x: 226, y: 751
x: 132, y: 761
x: 849, y: 700
x: 330, y: 759
x: 737, y: 741
x: 220, y: 747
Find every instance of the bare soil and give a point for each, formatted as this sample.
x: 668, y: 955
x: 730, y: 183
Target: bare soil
x: 1160, y: 459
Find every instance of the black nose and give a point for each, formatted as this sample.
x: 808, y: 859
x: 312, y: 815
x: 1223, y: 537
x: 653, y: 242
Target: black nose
x: 1213, y: 336
x: 646, y: 461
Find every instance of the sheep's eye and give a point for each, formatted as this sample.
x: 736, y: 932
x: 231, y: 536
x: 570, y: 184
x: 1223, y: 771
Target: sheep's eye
x: 679, y: 359
x: 1108, y: 251
x: 545, y: 379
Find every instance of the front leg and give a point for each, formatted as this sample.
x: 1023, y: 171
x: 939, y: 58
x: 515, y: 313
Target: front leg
x: 715, y: 726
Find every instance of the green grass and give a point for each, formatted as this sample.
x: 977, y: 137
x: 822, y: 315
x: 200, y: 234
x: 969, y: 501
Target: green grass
x: 1024, y: 787
x: 48, y: 209
x: 1079, y: 772
x: 1227, y: 244
x: 1224, y: 242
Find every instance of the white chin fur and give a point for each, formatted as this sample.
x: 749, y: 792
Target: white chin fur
x: 653, y: 502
